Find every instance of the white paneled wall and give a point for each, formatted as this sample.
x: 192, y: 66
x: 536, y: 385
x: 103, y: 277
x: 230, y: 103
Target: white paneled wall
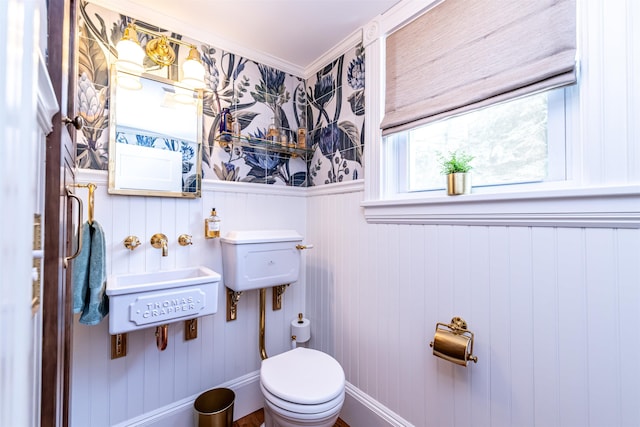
x: 106, y: 392
x: 554, y: 312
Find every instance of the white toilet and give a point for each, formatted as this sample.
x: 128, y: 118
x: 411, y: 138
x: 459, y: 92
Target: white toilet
x: 301, y: 387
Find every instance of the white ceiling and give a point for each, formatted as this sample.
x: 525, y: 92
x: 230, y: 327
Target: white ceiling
x: 296, y: 32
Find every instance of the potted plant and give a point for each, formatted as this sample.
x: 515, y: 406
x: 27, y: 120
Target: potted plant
x: 457, y: 166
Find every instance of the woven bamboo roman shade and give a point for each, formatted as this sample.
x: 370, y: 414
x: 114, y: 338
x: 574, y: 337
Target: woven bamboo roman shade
x: 465, y: 54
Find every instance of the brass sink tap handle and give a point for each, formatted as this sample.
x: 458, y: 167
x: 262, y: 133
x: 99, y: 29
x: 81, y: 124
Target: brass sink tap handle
x: 185, y: 240
x: 159, y: 241
x: 132, y: 242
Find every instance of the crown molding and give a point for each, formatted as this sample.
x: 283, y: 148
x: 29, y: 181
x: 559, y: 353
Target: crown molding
x: 347, y: 43
x: 381, y: 25
x: 155, y: 17
x: 403, y: 13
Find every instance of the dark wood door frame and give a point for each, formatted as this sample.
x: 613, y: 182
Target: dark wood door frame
x: 56, y: 292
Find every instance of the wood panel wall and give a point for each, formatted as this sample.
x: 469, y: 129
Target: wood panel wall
x: 552, y: 309
x: 106, y: 392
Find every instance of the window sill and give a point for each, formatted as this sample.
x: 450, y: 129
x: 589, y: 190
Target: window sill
x: 617, y: 207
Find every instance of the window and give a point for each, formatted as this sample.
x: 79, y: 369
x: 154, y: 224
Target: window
x: 593, y: 160
x: 480, y: 78
x: 520, y: 141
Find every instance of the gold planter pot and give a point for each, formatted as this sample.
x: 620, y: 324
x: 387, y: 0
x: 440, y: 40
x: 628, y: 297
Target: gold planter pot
x: 458, y: 183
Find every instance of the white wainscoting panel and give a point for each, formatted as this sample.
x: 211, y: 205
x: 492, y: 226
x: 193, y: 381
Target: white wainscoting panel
x: 106, y: 392
x: 553, y: 311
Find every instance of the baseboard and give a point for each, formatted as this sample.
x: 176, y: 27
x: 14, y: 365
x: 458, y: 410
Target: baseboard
x: 180, y: 413
x: 359, y: 408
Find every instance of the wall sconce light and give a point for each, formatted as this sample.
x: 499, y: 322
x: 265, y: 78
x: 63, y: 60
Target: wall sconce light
x: 130, y: 54
x: 193, y: 70
x: 158, y: 49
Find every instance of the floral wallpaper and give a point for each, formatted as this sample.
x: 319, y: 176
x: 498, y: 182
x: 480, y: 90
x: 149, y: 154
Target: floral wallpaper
x: 335, y: 118
x: 329, y: 105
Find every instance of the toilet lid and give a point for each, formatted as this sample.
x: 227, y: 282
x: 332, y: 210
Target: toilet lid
x: 303, y: 376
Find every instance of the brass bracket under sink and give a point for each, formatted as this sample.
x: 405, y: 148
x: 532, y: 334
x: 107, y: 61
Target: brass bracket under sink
x: 232, y: 304
x: 118, y: 346
x: 191, y: 329
x: 277, y: 292
x: 162, y: 336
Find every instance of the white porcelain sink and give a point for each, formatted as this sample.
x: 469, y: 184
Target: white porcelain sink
x: 143, y: 300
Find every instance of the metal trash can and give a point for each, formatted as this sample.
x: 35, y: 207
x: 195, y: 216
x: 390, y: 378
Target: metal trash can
x: 214, y: 408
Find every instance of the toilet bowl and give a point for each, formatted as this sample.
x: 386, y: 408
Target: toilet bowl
x: 302, y: 387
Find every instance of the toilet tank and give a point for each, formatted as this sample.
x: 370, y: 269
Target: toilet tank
x: 260, y: 259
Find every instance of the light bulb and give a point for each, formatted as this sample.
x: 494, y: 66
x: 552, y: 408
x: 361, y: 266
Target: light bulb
x: 130, y: 54
x: 193, y: 70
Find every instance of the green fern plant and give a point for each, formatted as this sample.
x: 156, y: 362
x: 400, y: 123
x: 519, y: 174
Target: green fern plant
x: 456, y: 162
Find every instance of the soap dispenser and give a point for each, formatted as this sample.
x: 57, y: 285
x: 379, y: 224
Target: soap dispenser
x: 212, y: 225
x: 273, y: 134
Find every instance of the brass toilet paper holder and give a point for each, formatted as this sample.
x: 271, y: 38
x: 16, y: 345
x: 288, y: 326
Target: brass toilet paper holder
x: 454, y: 342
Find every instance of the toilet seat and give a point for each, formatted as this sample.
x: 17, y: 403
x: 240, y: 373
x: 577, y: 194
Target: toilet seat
x: 303, y: 411
x: 313, y: 380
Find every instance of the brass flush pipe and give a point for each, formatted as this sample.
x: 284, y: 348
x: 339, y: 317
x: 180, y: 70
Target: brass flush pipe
x: 162, y: 337
x: 263, y: 309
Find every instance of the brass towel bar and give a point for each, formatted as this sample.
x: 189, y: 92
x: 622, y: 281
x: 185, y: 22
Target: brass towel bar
x: 90, y: 202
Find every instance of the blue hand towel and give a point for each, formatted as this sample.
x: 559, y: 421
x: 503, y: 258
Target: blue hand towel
x: 80, y: 274
x: 90, y: 279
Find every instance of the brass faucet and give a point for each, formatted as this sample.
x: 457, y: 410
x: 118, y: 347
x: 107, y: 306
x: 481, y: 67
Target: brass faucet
x: 158, y: 241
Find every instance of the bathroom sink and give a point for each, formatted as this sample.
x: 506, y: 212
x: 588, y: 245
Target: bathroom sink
x: 157, y: 280
x: 143, y: 300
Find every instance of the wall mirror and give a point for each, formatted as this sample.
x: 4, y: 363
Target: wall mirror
x: 155, y: 137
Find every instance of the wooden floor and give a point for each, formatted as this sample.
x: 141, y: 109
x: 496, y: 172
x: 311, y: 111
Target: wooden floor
x: 256, y: 418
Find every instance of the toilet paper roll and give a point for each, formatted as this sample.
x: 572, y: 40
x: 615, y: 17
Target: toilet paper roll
x: 301, y: 329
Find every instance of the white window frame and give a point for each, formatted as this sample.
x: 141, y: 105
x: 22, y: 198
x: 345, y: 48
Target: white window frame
x: 556, y: 158
x: 592, y: 195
